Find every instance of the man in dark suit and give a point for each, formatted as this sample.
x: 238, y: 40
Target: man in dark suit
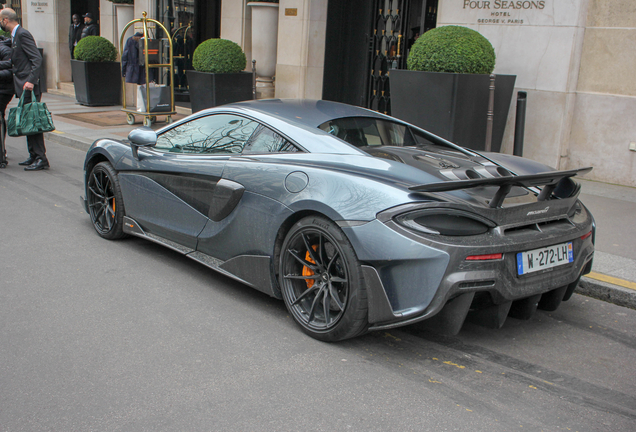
x: 26, y: 72
x: 90, y: 28
x: 75, y: 33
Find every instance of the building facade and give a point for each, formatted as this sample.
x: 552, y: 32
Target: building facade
x: 573, y: 58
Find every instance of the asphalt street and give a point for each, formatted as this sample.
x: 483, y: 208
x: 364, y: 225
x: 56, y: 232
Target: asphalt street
x: 126, y: 335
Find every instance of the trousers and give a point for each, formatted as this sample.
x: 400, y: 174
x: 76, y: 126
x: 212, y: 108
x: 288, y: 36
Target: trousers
x: 35, y: 143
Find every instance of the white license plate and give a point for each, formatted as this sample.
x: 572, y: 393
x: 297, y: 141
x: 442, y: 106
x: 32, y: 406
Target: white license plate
x: 544, y: 258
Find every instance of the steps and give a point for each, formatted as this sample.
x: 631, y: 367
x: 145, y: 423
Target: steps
x: 64, y: 89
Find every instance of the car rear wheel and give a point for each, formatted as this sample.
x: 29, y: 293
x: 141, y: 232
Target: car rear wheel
x: 105, y: 203
x: 321, y: 281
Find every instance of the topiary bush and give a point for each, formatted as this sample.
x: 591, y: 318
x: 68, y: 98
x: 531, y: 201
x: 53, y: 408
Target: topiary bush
x: 218, y: 56
x: 95, y: 49
x: 452, y: 49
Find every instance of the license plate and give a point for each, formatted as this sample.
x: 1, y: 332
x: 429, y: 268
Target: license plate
x: 544, y: 258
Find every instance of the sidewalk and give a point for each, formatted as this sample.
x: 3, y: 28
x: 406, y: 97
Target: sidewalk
x: 613, y: 276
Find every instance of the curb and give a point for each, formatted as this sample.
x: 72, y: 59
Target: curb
x: 607, y: 292
x: 68, y: 140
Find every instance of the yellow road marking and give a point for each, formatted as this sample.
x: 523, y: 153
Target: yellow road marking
x: 612, y: 280
x: 454, y: 364
x: 57, y: 132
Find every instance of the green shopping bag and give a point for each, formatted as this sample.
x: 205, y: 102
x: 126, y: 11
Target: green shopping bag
x: 29, y: 119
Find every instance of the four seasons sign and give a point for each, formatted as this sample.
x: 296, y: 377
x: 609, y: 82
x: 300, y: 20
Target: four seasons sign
x: 503, y: 11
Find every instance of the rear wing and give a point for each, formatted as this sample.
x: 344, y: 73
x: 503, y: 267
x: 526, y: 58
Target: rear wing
x: 549, y: 181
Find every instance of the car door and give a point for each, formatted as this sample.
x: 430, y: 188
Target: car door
x: 252, y: 216
x: 168, y: 191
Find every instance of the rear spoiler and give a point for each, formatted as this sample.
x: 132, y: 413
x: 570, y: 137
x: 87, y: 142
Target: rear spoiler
x: 549, y: 180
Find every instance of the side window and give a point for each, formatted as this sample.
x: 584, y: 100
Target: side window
x: 421, y: 139
x: 265, y: 140
x: 214, y: 134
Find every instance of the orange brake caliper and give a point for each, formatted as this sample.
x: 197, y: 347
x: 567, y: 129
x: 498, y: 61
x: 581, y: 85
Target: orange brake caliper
x: 306, y: 270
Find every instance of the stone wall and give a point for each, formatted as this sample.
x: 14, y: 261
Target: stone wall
x: 575, y: 60
x: 540, y: 43
x: 604, y: 121
x: 48, y: 22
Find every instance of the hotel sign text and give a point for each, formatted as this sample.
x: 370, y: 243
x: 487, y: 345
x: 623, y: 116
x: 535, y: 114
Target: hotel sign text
x: 503, y: 11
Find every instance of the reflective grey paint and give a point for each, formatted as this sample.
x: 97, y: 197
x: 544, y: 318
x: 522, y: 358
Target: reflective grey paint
x: 409, y: 270
x: 249, y: 230
x: 333, y: 190
x: 160, y: 211
x: 296, y: 181
x: 143, y: 136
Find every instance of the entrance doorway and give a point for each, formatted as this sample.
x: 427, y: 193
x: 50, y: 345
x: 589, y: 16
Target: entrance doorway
x: 365, y: 40
x: 189, y: 22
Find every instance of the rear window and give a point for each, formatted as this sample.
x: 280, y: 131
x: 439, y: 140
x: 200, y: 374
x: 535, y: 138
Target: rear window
x: 365, y: 131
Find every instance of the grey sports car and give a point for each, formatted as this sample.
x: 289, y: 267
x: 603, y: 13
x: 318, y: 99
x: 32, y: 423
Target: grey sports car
x: 357, y: 220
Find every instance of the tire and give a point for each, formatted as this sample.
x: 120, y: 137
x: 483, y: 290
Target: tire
x: 130, y: 119
x: 105, y: 203
x: 321, y: 281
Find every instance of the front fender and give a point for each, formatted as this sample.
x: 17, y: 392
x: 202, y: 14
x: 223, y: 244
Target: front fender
x: 111, y: 150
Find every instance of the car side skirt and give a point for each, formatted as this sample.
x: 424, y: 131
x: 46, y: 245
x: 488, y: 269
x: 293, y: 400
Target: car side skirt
x: 251, y: 270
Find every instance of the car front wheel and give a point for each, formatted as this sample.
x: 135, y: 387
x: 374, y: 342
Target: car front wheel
x: 321, y: 281
x: 105, y: 203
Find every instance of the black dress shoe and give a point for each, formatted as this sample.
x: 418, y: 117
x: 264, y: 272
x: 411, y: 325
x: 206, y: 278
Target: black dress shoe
x: 39, y: 164
x: 29, y: 161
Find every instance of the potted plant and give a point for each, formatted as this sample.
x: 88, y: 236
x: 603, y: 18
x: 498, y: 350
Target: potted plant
x: 96, y: 74
x: 447, y: 86
x: 218, y: 77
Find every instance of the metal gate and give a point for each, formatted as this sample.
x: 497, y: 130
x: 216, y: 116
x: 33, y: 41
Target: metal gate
x: 396, y: 26
x: 387, y: 51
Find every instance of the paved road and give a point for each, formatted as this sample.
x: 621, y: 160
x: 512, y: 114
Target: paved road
x: 99, y: 335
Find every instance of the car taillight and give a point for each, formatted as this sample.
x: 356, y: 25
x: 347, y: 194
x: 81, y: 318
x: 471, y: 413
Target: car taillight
x: 486, y: 257
x: 586, y: 235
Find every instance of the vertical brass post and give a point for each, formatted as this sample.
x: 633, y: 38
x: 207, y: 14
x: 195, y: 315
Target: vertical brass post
x: 145, y: 24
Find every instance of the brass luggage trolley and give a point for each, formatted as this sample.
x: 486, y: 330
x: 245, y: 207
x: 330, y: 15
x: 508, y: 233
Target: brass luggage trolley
x: 148, y: 116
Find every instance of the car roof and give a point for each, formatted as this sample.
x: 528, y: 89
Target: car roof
x: 298, y: 119
x: 306, y: 112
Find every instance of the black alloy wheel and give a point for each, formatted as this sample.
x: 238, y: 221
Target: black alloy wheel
x: 105, y: 203
x: 321, y: 281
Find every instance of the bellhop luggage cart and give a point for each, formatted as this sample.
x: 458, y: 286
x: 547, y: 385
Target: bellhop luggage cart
x: 149, y: 117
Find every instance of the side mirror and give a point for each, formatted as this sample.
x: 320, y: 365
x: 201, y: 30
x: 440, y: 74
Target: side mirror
x: 141, y: 137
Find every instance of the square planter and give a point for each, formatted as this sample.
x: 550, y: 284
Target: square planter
x: 208, y: 90
x: 97, y: 83
x: 453, y: 106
